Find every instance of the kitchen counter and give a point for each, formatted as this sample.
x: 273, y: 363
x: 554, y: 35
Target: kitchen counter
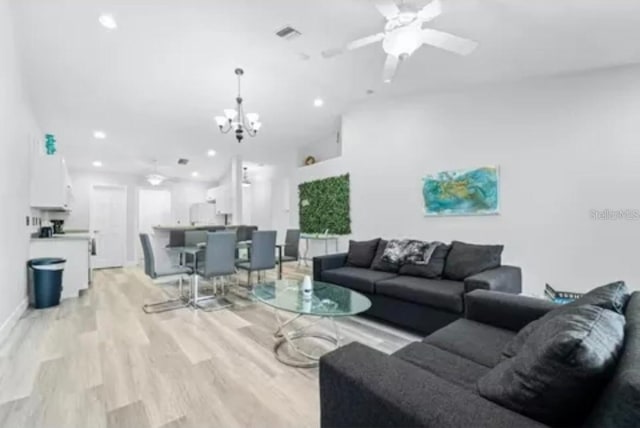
x: 75, y: 249
x: 184, y: 227
x: 65, y: 236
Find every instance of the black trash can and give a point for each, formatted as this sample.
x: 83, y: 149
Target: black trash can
x: 47, y: 281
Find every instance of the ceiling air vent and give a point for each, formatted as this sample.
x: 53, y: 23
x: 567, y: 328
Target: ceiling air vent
x: 183, y: 161
x: 288, y: 33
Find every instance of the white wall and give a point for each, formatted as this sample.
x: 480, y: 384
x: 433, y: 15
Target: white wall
x: 565, y: 146
x: 18, y: 131
x: 183, y: 194
x: 322, y: 150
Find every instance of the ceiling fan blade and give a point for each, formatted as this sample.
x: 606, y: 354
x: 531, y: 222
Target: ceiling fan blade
x: 430, y: 11
x: 390, y: 67
x: 369, y: 40
x: 388, y: 8
x: 448, y: 42
x: 356, y: 44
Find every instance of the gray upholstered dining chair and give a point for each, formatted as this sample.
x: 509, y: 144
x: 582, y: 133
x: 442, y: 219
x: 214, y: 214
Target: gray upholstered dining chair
x: 218, y: 263
x: 291, y: 246
x: 262, y: 254
x: 191, y: 239
x: 161, y: 268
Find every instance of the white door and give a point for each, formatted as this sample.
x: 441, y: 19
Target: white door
x: 109, y: 225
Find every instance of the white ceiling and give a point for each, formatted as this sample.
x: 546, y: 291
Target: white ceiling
x: 155, y: 84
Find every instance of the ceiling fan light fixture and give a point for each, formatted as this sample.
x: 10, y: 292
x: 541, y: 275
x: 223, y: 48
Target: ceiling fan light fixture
x: 403, y: 42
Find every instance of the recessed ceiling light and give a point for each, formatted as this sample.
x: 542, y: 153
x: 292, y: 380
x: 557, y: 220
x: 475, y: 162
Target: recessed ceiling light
x: 211, y: 153
x: 318, y: 102
x: 99, y: 135
x: 97, y: 164
x: 194, y: 174
x: 108, y: 21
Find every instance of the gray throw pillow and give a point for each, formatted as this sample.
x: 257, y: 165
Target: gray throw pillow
x: 381, y: 265
x: 465, y: 259
x: 431, y: 269
x: 561, y: 368
x: 361, y: 253
x: 613, y: 296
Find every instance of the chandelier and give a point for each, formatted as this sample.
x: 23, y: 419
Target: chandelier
x: 236, y: 120
x: 155, y: 179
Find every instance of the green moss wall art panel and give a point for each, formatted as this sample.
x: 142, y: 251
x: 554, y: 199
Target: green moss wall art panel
x: 324, y: 205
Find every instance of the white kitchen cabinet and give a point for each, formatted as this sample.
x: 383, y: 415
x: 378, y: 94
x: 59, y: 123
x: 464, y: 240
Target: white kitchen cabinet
x: 221, y: 195
x: 202, y: 213
x: 212, y: 194
x: 75, y: 249
x: 223, y: 200
x: 50, y: 183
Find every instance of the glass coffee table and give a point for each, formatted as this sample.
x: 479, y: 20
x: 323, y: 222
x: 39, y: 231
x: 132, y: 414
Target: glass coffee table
x: 326, y: 303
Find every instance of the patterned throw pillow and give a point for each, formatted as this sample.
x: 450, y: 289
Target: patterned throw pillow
x: 432, y: 263
x: 402, y: 251
x: 394, y: 252
x: 414, y: 251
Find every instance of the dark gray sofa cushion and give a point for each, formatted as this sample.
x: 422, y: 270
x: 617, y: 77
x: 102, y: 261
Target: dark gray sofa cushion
x: 448, y: 366
x: 611, y: 296
x: 465, y: 259
x: 477, y: 342
x: 358, y: 279
x: 561, y: 368
x: 379, y: 264
x: 619, y: 403
x: 437, y: 293
x: 361, y: 253
x: 433, y: 269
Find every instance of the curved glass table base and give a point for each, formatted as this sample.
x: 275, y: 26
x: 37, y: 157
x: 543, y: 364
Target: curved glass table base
x: 290, y: 337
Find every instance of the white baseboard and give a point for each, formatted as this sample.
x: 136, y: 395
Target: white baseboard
x: 9, y: 323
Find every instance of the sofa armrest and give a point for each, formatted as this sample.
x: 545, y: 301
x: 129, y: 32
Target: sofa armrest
x: 362, y: 387
x: 503, y: 278
x: 332, y: 261
x: 504, y: 310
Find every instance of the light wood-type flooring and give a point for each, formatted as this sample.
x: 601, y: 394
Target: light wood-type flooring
x: 99, y: 361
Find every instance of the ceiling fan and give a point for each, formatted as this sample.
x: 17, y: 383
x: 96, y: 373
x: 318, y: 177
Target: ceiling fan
x: 403, y: 35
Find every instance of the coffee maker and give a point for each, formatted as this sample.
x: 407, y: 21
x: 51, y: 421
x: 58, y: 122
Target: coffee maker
x: 58, y: 227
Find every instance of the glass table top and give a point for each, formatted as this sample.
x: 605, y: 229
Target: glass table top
x: 326, y: 300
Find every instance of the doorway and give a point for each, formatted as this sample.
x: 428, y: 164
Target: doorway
x: 108, y: 219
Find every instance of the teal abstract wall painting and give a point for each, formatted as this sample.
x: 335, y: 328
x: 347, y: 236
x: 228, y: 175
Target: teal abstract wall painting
x: 462, y: 192
x: 50, y: 144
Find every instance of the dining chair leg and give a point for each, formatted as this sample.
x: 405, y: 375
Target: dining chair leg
x: 195, y: 291
x: 167, y: 305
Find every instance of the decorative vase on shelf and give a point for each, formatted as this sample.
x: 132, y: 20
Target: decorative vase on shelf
x: 307, y: 287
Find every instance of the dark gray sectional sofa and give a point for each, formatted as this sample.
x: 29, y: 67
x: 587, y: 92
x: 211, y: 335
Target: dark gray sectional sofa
x: 418, y: 303
x: 438, y: 382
